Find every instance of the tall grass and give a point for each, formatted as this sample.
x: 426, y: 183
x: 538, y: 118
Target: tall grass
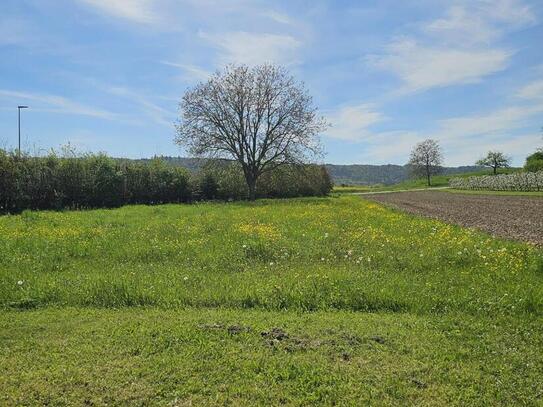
x: 302, y: 254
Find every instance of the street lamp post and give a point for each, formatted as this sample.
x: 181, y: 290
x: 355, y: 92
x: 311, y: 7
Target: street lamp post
x: 19, y: 111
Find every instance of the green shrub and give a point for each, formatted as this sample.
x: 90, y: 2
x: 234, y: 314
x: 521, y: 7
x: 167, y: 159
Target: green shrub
x: 534, y: 162
x: 98, y: 181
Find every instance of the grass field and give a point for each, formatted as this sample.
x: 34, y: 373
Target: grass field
x: 177, y: 304
x: 349, y: 189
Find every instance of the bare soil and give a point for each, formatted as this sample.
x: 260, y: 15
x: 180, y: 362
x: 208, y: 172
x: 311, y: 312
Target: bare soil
x: 514, y: 217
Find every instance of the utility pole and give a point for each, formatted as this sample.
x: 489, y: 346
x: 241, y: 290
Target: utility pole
x: 19, y: 111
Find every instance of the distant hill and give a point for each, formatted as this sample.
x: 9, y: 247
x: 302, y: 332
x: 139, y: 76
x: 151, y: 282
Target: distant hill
x: 355, y: 174
x: 388, y: 174
x: 192, y: 164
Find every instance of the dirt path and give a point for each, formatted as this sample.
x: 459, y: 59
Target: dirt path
x: 515, y: 217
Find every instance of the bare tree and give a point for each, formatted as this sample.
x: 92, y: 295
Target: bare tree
x: 260, y: 117
x: 426, y: 159
x: 495, y: 160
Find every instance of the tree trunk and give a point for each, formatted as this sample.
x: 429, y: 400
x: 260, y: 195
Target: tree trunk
x: 251, y: 184
x: 428, y: 178
x: 495, y: 170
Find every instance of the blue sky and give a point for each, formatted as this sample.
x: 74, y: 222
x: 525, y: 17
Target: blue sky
x: 107, y: 75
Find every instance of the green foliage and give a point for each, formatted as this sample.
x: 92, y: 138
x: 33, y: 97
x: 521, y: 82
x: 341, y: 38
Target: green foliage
x: 226, y: 181
x: 495, y: 160
x: 98, y: 181
x: 208, y: 186
x: 295, y: 181
x: 534, y: 162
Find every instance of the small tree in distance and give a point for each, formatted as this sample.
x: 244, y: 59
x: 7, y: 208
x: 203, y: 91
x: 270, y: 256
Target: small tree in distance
x: 495, y: 160
x: 260, y: 117
x: 426, y: 159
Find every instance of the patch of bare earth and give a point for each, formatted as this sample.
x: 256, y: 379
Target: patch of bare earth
x: 514, y: 217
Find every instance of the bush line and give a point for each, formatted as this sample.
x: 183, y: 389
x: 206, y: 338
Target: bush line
x: 98, y: 181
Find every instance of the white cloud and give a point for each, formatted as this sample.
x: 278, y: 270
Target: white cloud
x: 243, y: 47
x: 467, y: 138
x: 421, y: 67
x: 58, y: 104
x: 532, y: 90
x: 458, y: 48
x: 191, y: 73
x: 463, y: 139
x: 511, y: 12
x: 278, y: 17
x: 461, y: 25
x: 517, y: 147
x: 140, y: 11
x: 494, y: 123
x: 351, y: 123
x: 479, y: 21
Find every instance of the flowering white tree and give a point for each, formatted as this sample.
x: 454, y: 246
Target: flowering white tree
x: 519, y: 181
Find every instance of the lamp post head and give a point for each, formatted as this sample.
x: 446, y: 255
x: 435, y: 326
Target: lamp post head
x: 22, y: 107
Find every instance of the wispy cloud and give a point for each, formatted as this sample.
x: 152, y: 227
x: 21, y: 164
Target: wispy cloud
x: 461, y: 25
x: 249, y: 48
x: 494, y: 123
x: 278, y: 17
x: 455, y: 49
x: 156, y: 113
x: 517, y: 147
x: 464, y: 138
x: 58, y: 104
x: 140, y: 11
x: 532, y: 90
x: 423, y: 67
x: 351, y: 123
x: 480, y: 21
x: 191, y: 73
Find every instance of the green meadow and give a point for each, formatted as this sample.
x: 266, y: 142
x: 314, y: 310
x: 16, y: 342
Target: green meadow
x: 337, y: 301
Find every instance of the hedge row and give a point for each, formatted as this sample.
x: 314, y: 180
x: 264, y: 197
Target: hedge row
x: 519, y: 181
x: 98, y: 181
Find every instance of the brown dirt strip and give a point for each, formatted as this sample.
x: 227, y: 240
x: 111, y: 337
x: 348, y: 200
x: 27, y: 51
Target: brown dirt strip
x: 514, y: 217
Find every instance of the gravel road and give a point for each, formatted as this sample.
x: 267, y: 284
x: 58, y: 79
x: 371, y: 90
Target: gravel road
x: 514, y: 217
